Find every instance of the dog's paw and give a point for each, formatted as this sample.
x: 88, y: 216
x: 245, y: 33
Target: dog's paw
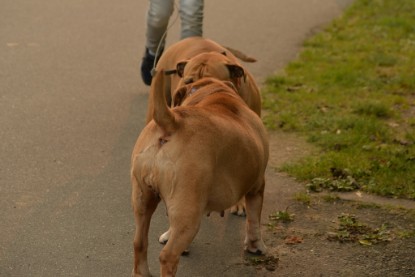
x: 238, y: 209
x: 164, y: 237
x: 256, y: 247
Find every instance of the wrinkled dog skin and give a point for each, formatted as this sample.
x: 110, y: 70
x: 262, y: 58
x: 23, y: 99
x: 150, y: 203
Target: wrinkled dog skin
x: 201, y: 156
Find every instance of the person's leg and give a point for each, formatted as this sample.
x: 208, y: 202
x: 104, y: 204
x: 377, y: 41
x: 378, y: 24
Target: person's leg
x: 191, y: 15
x: 158, y: 16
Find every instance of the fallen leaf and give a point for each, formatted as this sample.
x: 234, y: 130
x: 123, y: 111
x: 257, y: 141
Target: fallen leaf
x: 293, y: 240
x: 365, y: 242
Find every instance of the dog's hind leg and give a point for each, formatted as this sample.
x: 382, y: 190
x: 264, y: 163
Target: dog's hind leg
x: 144, y: 204
x: 184, y: 225
x: 253, y: 240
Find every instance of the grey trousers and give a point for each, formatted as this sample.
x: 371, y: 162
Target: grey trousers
x: 158, y: 15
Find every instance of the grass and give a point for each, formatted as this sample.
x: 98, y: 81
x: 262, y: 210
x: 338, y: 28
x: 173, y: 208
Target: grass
x: 352, y: 93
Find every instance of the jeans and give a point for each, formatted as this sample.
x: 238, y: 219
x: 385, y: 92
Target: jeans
x: 158, y: 15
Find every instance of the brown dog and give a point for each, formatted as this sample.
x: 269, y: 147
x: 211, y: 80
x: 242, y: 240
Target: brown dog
x: 193, y: 58
x: 201, y: 156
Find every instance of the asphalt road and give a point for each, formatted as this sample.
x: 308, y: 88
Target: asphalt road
x: 71, y: 107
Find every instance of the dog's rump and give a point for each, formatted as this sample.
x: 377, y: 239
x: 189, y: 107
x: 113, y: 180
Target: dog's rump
x: 208, y: 154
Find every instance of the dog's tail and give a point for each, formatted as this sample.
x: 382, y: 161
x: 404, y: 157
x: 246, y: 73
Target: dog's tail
x: 240, y: 55
x: 162, y: 115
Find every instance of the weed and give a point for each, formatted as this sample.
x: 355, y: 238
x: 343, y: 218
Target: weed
x: 303, y: 198
x: 269, y: 262
x: 406, y: 234
x: 283, y: 216
x: 318, y: 184
x: 352, y: 230
x: 341, y: 180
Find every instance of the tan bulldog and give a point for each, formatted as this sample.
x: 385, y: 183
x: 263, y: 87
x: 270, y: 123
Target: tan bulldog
x: 193, y: 58
x: 201, y: 156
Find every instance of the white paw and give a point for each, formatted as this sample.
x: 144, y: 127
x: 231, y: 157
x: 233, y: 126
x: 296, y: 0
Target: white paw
x: 164, y: 237
x: 256, y: 247
x: 238, y: 209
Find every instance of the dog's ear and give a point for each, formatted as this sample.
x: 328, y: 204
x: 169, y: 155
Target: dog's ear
x: 180, y: 68
x: 179, y: 96
x: 235, y: 71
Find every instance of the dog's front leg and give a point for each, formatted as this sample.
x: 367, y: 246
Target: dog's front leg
x: 253, y: 240
x: 144, y: 204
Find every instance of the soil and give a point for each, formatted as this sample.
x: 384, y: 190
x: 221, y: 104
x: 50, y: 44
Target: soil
x: 309, y: 245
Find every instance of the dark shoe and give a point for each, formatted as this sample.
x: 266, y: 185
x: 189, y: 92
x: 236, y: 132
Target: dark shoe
x: 147, y: 65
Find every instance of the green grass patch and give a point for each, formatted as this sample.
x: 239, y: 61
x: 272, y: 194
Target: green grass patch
x: 352, y: 93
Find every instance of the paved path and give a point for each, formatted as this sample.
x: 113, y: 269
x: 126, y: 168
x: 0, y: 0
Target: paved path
x: 71, y: 107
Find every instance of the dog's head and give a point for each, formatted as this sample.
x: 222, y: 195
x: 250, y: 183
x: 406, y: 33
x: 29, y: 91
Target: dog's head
x: 210, y: 64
